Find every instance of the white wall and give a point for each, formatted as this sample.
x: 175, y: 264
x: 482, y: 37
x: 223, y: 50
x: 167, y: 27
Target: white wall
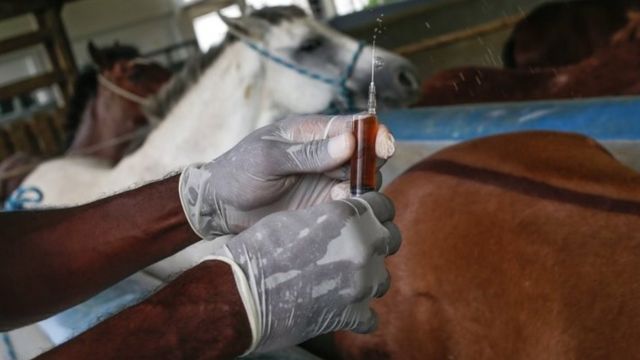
x: 147, y: 24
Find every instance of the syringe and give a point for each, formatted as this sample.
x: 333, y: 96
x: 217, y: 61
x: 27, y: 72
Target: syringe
x: 365, y: 130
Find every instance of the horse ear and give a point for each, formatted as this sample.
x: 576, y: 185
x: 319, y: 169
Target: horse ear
x: 96, y: 55
x: 247, y: 26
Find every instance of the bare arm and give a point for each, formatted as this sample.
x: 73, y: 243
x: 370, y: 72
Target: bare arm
x: 53, y: 259
x: 198, y: 316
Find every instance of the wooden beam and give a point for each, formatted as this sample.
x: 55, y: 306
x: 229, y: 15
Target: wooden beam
x: 11, y: 8
x: 58, y: 48
x: 198, y: 8
x: 23, y: 41
x: 452, y: 37
x: 31, y: 84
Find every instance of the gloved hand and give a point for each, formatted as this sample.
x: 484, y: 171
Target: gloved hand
x: 265, y: 173
x: 308, y: 272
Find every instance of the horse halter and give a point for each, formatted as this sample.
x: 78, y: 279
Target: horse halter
x: 128, y: 95
x: 122, y: 92
x: 337, y: 82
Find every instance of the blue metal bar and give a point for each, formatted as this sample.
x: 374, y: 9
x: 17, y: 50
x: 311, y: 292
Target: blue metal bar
x: 11, y: 351
x: 601, y: 118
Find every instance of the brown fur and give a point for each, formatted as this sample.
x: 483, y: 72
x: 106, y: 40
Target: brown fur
x: 520, y: 246
x: 562, y: 33
x: 610, y: 72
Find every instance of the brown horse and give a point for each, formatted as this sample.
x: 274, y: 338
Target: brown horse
x: 105, y: 110
x: 562, y: 50
x: 610, y: 72
x: 563, y: 33
x: 518, y: 246
x: 117, y: 107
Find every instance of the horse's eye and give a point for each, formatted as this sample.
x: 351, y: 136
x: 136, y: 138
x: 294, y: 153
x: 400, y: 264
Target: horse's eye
x: 311, y: 44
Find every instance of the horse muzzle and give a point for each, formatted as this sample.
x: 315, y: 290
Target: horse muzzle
x: 397, y: 86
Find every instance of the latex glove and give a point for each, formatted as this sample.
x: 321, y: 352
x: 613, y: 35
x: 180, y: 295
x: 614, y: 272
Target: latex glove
x: 264, y: 173
x: 308, y: 272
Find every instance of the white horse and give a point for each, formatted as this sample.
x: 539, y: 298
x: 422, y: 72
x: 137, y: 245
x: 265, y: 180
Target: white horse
x: 278, y: 62
x: 285, y: 63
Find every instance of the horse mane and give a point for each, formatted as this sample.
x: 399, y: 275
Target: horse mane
x: 277, y: 14
x: 163, y: 102
x: 84, y: 89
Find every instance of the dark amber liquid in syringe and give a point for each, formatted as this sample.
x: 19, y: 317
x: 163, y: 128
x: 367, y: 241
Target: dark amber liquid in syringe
x: 363, y: 161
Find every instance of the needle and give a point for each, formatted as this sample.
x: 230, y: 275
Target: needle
x: 372, y: 86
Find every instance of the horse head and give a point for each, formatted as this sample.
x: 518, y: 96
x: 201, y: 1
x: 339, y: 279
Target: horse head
x: 124, y: 72
x: 137, y: 76
x: 329, y: 68
x: 107, y: 101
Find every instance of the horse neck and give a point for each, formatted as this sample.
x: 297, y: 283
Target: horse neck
x: 105, y: 119
x: 227, y: 102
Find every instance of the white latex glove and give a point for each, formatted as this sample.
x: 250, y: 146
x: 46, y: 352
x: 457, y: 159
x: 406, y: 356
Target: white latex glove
x: 292, y: 164
x: 308, y: 272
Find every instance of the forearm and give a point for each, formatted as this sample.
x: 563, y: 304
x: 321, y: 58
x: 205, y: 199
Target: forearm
x: 199, y: 315
x: 53, y: 259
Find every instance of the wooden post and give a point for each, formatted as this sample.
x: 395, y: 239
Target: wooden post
x: 58, y: 46
x: 27, y: 85
x: 41, y: 134
x: 23, y: 41
x: 452, y: 37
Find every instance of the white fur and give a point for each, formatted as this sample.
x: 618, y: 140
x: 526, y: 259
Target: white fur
x: 211, y: 117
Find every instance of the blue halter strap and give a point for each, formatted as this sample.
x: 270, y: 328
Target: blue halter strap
x: 11, y: 351
x: 338, y: 82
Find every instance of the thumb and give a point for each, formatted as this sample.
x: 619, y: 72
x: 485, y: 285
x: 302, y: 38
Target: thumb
x: 318, y: 156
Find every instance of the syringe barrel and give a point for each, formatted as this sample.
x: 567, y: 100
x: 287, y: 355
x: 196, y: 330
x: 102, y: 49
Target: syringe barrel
x: 363, y: 161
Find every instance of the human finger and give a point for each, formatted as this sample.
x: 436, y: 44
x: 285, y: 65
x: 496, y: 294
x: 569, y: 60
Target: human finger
x: 380, y: 204
x: 316, y: 156
x: 341, y: 191
x: 394, y: 239
x: 367, y: 320
x: 383, y: 286
x: 314, y: 127
x: 385, y: 143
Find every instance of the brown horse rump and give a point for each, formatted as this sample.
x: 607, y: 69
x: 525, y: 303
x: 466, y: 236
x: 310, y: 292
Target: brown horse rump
x: 517, y: 246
